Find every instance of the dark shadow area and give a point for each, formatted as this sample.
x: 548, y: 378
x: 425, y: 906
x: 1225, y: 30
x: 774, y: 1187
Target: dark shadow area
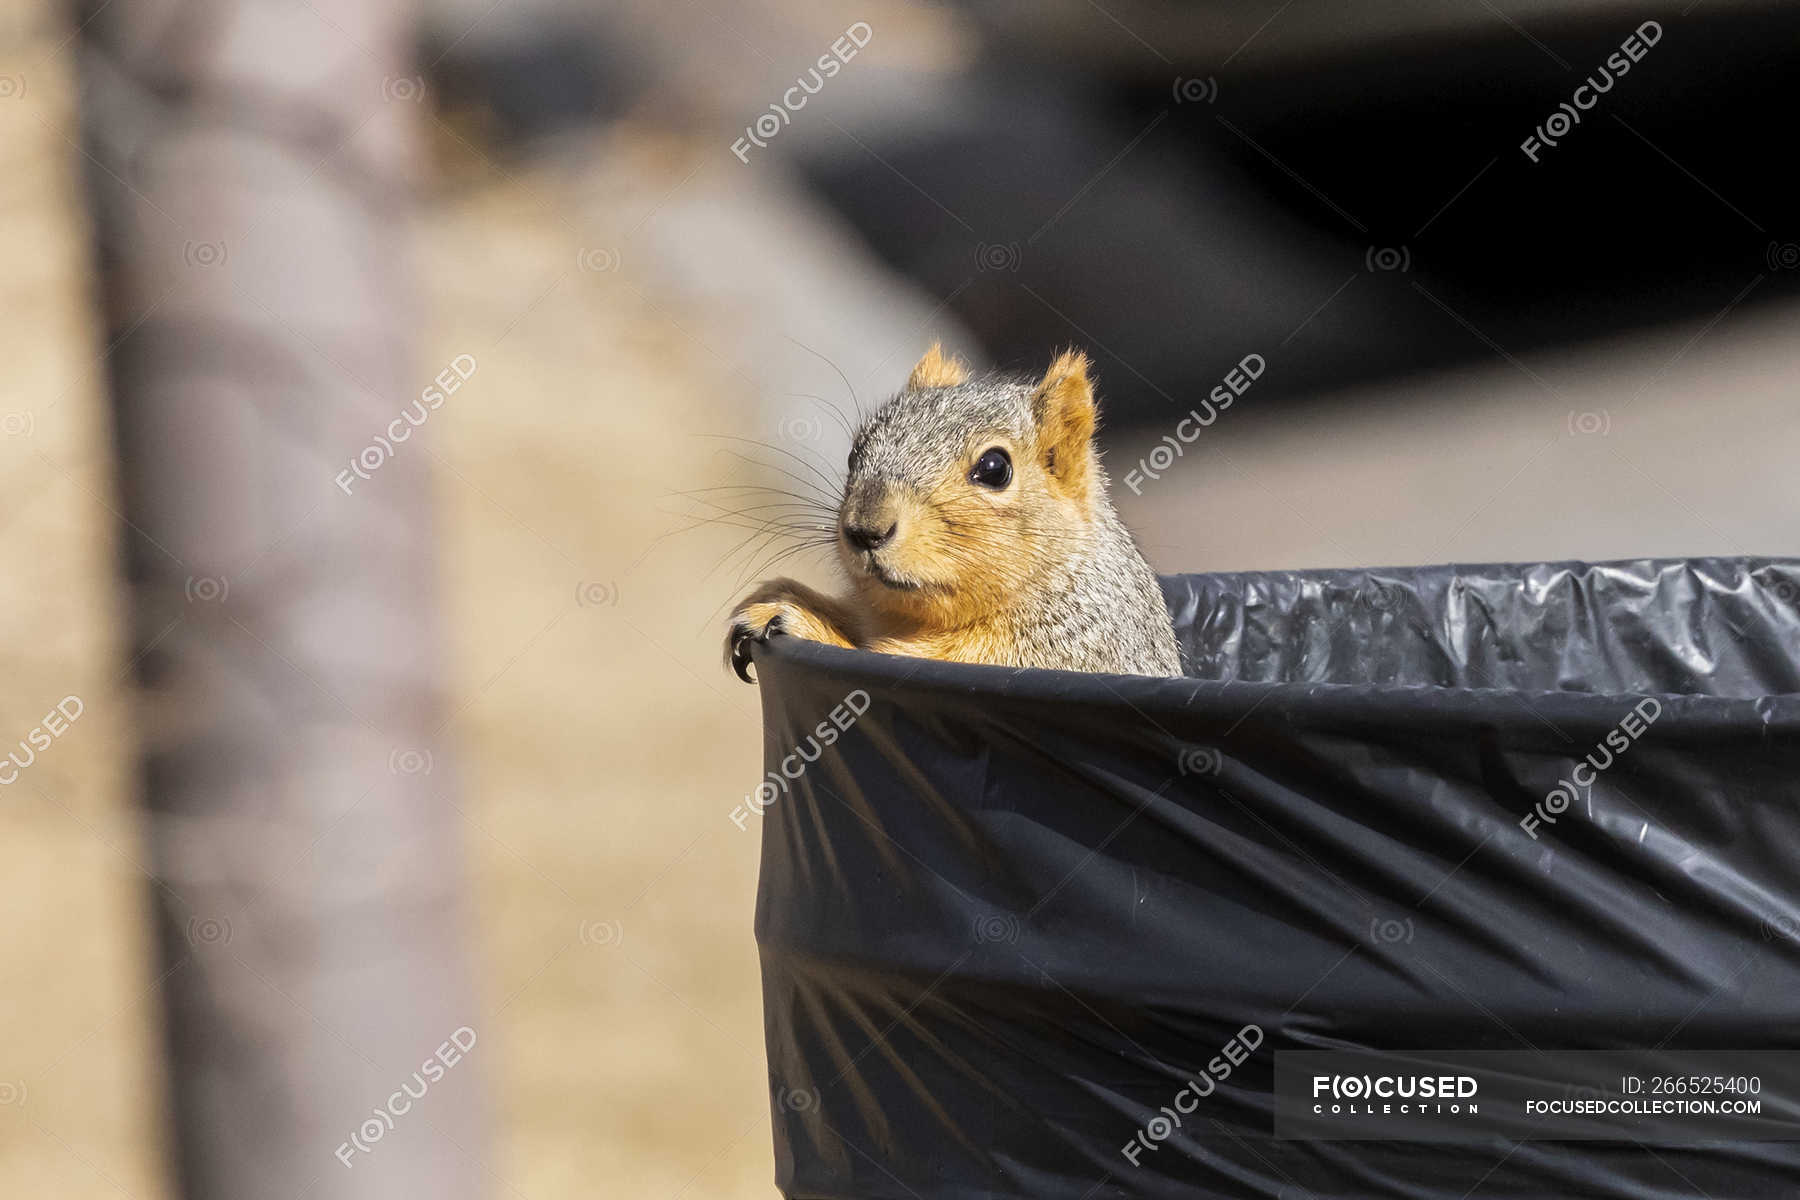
x: 1350, y: 216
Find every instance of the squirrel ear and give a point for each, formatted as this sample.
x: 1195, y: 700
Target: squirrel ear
x: 935, y: 370
x: 1063, y: 406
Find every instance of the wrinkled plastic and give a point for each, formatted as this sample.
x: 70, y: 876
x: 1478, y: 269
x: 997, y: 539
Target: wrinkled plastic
x: 1005, y: 915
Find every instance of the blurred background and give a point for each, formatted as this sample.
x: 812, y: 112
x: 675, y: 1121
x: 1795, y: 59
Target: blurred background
x: 386, y: 390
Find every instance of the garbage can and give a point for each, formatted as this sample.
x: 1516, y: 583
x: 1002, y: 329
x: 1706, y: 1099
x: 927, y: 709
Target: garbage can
x: 1043, y: 934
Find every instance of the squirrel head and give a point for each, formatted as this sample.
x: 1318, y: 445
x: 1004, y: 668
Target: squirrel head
x: 962, y: 492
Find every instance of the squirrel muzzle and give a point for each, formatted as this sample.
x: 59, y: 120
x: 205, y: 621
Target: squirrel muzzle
x: 873, y: 525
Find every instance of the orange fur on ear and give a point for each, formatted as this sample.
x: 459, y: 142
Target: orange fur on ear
x: 1064, y: 407
x: 935, y: 370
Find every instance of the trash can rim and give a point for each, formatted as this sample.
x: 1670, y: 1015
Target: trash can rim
x: 1299, y: 699
x: 899, y: 674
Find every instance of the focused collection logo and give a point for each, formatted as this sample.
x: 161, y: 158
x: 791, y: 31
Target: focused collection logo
x: 1395, y: 1095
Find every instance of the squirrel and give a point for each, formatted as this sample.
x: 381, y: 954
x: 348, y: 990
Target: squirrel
x: 975, y: 527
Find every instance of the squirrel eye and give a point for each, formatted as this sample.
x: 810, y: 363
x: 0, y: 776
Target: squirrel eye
x: 992, y: 470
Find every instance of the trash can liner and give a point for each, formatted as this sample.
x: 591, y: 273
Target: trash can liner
x: 1006, y: 916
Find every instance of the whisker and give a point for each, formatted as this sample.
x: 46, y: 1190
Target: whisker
x: 732, y: 597
x: 758, y: 536
x: 817, y: 493
x: 830, y: 483
x: 781, y: 514
x: 830, y: 489
x: 782, y: 555
x: 840, y: 374
x: 745, y: 573
x: 784, y: 509
x: 739, y: 487
x: 836, y: 413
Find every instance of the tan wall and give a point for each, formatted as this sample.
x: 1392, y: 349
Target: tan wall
x: 78, y: 1007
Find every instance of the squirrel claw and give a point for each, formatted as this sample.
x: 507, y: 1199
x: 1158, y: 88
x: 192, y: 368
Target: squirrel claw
x: 737, y: 654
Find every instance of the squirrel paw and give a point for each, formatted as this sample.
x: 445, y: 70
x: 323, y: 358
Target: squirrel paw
x: 754, y: 621
x: 781, y: 606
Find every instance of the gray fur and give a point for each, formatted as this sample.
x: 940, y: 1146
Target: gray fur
x: 1100, y: 609
x: 910, y: 438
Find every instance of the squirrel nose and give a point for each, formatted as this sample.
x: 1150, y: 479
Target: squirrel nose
x: 865, y: 537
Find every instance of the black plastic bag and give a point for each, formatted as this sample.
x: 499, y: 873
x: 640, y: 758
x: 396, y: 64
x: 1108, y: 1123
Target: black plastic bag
x: 1005, y: 915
